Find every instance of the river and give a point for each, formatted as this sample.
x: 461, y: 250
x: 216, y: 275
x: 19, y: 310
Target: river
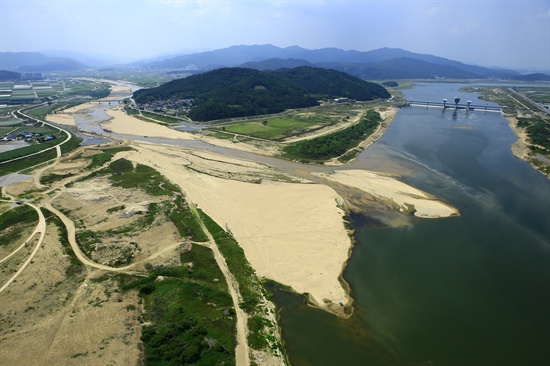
x: 468, y: 290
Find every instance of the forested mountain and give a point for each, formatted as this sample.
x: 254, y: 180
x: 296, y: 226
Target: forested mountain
x: 391, y: 63
x: 533, y: 77
x: 9, y: 75
x: 277, y: 63
x: 239, y: 92
x: 332, y: 83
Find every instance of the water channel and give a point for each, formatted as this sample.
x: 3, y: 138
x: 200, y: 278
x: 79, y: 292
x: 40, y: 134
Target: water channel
x: 468, y: 290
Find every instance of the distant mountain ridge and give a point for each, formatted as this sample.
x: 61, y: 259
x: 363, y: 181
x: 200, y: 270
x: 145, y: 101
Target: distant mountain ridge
x: 37, y: 62
x: 383, y: 63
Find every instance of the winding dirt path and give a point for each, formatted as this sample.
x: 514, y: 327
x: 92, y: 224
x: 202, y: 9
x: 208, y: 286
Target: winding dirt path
x: 242, y: 353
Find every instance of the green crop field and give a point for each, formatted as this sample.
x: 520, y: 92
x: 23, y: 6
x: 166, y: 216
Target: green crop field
x: 293, y: 123
x: 274, y: 129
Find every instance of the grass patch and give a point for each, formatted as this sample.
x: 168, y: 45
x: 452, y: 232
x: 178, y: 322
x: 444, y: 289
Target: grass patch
x: 184, y: 220
x: 11, y: 222
x: 104, y: 156
x: 50, y: 178
x: 250, y: 287
x: 334, y: 144
x: 116, y: 208
x: 190, y: 316
x: 41, y: 112
x: 270, y: 129
x: 17, y: 215
x: 75, y: 267
x: 163, y: 119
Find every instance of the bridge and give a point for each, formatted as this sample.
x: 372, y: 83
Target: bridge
x: 109, y: 101
x: 444, y: 104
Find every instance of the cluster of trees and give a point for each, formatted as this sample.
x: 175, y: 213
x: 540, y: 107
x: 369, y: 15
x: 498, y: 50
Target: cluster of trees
x: 538, y: 131
x: 190, y: 317
x: 240, y: 92
x: 335, y: 144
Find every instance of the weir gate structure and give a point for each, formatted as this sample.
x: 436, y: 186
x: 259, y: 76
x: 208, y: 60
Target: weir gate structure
x: 456, y: 105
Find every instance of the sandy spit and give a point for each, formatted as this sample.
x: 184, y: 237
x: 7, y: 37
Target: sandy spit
x: 403, y: 195
x: 291, y: 233
x: 123, y: 124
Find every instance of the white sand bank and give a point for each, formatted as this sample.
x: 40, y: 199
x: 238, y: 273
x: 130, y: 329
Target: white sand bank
x: 124, y: 124
x: 402, y: 194
x: 291, y: 233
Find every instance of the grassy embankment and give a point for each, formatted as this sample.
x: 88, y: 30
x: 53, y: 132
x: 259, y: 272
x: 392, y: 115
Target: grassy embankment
x: 335, y: 144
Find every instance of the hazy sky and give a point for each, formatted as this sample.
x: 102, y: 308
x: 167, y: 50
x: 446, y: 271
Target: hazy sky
x: 513, y: 34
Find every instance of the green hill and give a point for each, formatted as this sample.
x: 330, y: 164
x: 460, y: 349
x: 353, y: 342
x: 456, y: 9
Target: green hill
x: 239, y: 92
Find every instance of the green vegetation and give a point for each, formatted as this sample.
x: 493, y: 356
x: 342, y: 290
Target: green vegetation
x: 189, y: 312
x: 41, y: 112
x: 105, y: 156
x: 50, y: 178
x: 12, y: 220
x: 26, y: 162
x: 163, y: 119
x: 27, y: 150
x: 260, y: 335
x: 335, y: 144
x: 291, y: 123
x: 72, y: 144
x: 185, y: 221
x: 23, y: 161
x: 75, y: 267
x: 273, y: 129
x: 538, y: 130
x: 116, y: 209
x: 123, y: 173
x: 239, y: 92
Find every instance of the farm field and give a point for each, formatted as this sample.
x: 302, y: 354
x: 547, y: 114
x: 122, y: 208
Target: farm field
x: 44, y: 90
x: 280, y: 127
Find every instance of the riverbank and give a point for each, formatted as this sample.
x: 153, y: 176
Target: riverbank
x: 520, y: 148
x: 386, y: 114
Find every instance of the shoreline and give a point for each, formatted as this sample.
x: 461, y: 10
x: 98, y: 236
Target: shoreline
x: 520, y: 148
x: 387, y: 115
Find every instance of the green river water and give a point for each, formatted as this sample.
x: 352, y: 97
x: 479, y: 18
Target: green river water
x: 469, y: 290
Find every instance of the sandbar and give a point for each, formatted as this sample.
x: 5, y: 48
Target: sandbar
x: 406, y: 198
x: 292, y: 233
x: 65, y: 117
x: 123, y: 124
